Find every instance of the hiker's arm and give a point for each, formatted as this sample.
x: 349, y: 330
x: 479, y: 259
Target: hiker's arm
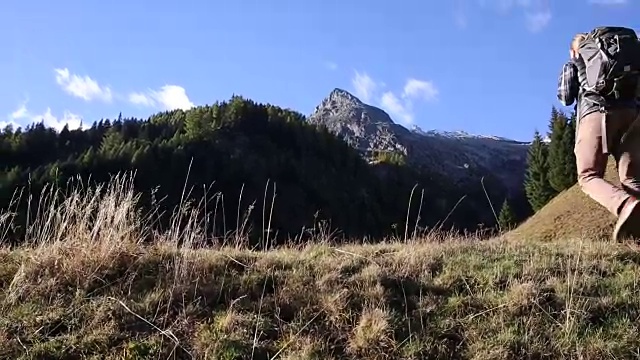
x: 568, y: 84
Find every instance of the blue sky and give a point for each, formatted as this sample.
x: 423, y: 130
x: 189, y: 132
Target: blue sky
x: 483, y: 66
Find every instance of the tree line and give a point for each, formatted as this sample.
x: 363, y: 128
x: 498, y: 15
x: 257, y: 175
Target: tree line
x: 551, y: 164
x: 245, y: 160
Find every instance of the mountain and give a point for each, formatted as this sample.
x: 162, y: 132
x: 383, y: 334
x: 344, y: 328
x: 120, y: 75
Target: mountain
x: 257, y: 169
x: 462, y: 158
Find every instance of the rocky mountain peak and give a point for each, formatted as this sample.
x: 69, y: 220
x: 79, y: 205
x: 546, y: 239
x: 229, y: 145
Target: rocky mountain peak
x: 342, y: 106
x: 363, y: 126
x: 338, y: 94
x: 459, y: 156
x: 339, y: 98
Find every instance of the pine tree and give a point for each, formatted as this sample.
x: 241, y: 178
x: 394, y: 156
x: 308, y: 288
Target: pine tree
x: 537, y: 186
x: 569, y: 141
x: 562, y: 169
x: 506, y: 218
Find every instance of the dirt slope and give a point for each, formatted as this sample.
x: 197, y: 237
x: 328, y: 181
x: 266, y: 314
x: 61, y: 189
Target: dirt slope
x: 570, y: 214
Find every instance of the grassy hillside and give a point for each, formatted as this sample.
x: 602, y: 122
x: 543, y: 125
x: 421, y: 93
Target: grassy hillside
x: 570, y: 214
x: 86, y: 286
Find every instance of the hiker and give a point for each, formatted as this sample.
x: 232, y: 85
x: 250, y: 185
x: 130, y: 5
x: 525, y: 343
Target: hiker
x: 606, y: 109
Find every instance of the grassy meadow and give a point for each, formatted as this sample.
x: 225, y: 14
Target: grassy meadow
x: 86, y: 286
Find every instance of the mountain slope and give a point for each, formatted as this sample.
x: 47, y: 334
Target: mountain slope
x: 256, y: 169
x: 462, y: 158
x: 570, y: 215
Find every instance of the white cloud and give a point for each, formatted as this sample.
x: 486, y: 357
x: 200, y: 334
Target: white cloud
x: 141, y: 99
x: 23, y: 114
x: 82, y: 87
x: 169, y: 97
x: 419, y: 89
x: 20, y: 113
x: 364, y: 86
x: 608, y: 2
x: 331, y: 65
x: 73, y: 121
x: 399, y: 107
x: 4, y: 124
x: 460, y: 13
x: 536, y: 21
x: 173, y: 97
x: 537, y: 13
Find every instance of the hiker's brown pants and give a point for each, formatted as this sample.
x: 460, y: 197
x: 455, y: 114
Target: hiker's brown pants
x: 598, y: 136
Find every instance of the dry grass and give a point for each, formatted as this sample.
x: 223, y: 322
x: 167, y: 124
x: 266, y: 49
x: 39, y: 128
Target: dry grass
x: 570, y: 214
x: 86, y: 287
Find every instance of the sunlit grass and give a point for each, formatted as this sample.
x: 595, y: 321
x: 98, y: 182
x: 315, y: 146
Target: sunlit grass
x: 86, y: 285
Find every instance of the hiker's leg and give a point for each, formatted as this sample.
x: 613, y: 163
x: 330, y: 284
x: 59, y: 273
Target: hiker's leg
x: 591, y: 163
x: 628, y: 152
x: 621, y: 145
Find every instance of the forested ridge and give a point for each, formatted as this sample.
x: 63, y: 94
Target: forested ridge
x: 551, y: 166
x: 239, y: 151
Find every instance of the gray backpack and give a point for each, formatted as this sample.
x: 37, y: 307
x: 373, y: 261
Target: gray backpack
x: 612, y: 62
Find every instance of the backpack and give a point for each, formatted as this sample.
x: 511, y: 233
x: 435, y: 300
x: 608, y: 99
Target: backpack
x: 612, y: 62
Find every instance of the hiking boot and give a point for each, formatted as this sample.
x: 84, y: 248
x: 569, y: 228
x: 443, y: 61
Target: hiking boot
x: 628, y: 225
